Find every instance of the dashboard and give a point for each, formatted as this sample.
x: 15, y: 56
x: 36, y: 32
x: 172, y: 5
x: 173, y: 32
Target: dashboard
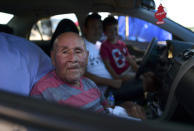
x: 171, y: 56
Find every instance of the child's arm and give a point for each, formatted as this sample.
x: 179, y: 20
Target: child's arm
x: 132, y: 62
x: 113, y: 73
x: 110, y: 69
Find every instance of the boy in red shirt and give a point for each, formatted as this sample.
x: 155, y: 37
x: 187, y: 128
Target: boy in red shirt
x: 115, y: 54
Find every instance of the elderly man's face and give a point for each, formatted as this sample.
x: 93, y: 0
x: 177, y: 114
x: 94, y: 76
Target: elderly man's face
x: 69, y: 57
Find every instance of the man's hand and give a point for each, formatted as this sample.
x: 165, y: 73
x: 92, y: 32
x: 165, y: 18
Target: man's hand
x: 126, y: 77
x: 116, y: 84
x: 133, y: 63
x: 134, y: 110
x: 131, y: 58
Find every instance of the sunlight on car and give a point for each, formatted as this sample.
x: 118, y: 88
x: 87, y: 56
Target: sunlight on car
x: 179, y: 11
x: 5, y: 17
x: 104, y: 14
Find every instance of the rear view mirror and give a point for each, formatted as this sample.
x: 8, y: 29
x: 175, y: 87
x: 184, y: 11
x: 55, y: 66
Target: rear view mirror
x: 149, y: 4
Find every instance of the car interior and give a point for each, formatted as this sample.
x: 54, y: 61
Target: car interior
x: 169, y: 108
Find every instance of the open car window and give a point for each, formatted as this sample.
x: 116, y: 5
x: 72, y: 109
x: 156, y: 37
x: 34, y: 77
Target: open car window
x: 5, y: 17
x: 135, y: 29
x: 44, y: 28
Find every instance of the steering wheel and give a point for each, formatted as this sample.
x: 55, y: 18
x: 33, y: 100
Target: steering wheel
x: 147, y: 55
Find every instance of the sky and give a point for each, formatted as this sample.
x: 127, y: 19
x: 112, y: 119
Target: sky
x: 180, y: 11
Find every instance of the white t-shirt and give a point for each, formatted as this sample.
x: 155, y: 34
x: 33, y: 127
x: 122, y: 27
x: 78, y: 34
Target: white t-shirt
x: 95, y: 64
x: 22, y: 64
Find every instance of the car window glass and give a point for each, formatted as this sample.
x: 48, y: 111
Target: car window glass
x: 138, y: 30
x: 180, y: 11
x: 44, y: 28
x: 135, y: 29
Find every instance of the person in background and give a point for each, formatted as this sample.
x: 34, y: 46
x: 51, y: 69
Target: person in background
x: 97, y: 71
x: 22, y: 64
x: 115, y: 54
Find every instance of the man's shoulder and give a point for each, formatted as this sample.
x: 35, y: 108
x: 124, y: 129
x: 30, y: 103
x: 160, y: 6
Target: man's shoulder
x: 45, y: 82
x: 49, y: 76
x: 93, y: 48
x: 88, y: 44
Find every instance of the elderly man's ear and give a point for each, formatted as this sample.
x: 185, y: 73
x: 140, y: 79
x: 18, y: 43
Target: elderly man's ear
x: 52, y: 53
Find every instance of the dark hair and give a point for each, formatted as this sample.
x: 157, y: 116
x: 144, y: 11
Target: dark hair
x: 64, y: 25
x: 92, y: 16
x: 110, y: 20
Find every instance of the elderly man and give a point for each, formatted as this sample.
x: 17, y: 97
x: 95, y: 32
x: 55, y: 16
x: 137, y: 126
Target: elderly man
x: 65, y: 83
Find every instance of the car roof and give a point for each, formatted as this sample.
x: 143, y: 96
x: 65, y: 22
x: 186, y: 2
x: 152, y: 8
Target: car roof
x: 52, y: 7
x: 32, y: 10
